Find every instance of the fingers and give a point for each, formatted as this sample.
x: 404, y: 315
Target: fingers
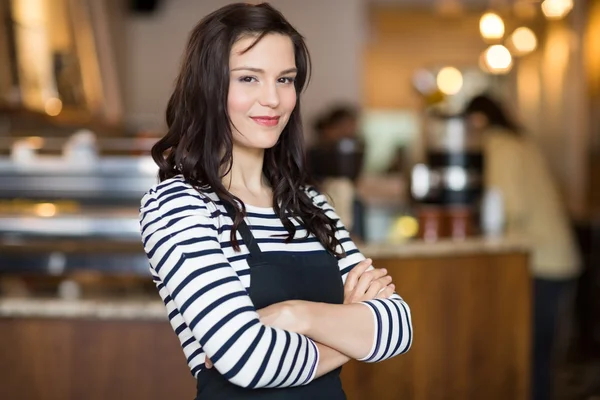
x: 356, y: 273
x: 367, y: 278
x: 387, y: 292
x: 207, y: 363
x: 377, y: 286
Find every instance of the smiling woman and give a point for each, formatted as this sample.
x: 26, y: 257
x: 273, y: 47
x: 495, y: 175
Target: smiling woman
x: 264, y: 287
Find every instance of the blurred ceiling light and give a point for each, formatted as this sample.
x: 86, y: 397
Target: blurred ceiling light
x: 449, y: 80
x: 498, y: 59
x: 53, y: 106
x: 556, y: 9
x: 523, y: 41
x: 491, y: 26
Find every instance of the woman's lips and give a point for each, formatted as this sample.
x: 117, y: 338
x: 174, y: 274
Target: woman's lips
x: 266, y: 121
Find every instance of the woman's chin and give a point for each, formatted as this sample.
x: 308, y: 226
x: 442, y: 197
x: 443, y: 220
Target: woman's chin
x: 257, y: 145
x: 265, y: 143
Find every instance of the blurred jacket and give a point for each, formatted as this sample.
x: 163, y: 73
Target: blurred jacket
x: 533, y: 205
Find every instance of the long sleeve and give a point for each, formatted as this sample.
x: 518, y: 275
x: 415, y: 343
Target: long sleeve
x: 205, y: 296
x: 391, y: 316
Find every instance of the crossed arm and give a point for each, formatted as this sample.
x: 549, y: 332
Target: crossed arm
x: 340, y: 332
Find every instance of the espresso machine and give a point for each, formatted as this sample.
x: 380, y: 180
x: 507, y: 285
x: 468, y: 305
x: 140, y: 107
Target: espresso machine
x: 448, y: 186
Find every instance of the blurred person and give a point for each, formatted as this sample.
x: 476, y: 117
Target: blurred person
x: 533, y: 207
x: 263, y: 286
x: 335, y: 161
x: 341, y: 122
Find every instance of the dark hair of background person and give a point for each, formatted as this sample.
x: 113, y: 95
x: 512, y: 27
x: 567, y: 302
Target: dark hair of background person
x: 334, y: 116
x: 493, y: 111
x: 199, y: 141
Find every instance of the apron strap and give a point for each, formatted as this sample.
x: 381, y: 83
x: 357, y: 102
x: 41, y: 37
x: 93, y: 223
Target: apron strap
x: 249, y: 240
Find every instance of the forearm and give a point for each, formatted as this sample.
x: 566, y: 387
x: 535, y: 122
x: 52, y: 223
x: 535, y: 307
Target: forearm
x: 329, y: 359
x: 348, y: 328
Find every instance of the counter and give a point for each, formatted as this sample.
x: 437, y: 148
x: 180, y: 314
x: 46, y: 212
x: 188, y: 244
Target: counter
x: 446, y: 247
x: 470, y: 303
x: 124, y: 309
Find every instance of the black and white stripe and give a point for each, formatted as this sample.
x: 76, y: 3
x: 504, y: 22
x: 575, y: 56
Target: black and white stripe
x: 203, y: 283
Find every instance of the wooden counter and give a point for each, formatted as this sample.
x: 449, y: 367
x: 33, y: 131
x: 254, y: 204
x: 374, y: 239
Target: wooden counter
x: 471, y: 317
x: 470, y: 305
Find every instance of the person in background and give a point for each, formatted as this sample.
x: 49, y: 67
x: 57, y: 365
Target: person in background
x: 335, y: 129
x: 533, y: 207
x: 340, y: 122
x: 263, y: 286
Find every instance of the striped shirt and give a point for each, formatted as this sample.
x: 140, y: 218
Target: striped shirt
x: 203, y: 283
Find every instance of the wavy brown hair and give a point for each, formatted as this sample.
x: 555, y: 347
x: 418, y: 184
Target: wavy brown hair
x: 198, y: 144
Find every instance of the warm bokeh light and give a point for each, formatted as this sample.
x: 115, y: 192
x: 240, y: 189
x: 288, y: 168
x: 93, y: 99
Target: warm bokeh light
x: 498, y: 59
x: 406, y: 226
x: 556, y: 9
x: 53, y: 106
x: 491, y: 26
x: 523, y: 40
x: 45, y: 209
x: 449, y: 80
x: 35, y: 142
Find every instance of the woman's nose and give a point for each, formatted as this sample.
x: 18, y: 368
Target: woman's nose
x: 269, y: 96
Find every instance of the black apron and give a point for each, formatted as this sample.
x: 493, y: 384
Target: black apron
x: 275, y: 278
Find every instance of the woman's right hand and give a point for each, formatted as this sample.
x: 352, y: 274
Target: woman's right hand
x: 363, y: 285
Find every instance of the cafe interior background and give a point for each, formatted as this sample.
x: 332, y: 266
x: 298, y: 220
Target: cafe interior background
x: 83, y: 88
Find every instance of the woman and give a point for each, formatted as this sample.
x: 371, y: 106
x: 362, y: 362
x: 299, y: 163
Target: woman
x: 534, y: 210
x: 259, y: 277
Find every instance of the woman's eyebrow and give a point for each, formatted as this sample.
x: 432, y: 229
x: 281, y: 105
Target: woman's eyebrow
x: 262, y: 71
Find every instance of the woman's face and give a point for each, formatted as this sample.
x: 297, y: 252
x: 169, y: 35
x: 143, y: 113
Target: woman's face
x: 262, y: 94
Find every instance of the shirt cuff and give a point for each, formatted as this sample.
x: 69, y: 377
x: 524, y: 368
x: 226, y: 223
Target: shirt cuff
x: 376, y: 332
x: 313, y: 371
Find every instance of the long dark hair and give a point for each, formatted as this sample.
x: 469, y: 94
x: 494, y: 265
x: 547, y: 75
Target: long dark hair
x: 493, y: 111
x: 198, y: 144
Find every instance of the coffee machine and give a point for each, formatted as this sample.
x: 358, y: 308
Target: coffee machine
x: 447, y: 187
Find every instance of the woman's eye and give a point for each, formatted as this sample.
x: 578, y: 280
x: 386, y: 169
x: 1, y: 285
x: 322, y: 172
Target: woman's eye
x: 288, y: 80
x: 248, y: 79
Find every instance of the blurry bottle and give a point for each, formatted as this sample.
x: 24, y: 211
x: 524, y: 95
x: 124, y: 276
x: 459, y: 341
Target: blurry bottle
x: 460, y: 222
x: 431, y: 223
x: 492, y: 213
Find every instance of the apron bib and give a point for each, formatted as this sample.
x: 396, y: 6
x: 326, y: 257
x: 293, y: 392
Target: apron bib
x: 275, y: 278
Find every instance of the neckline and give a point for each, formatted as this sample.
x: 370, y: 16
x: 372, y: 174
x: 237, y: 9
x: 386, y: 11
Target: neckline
x: 250, y: 207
